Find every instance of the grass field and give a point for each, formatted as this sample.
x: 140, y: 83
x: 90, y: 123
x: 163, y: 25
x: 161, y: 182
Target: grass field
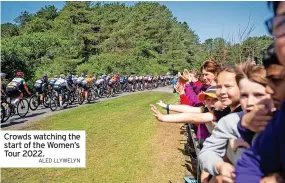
x: 124, y: 143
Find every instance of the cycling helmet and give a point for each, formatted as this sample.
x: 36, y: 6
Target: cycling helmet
x: 3, y: 75
x: 45, y: 77
x: 62, y: 76
x: 20, y: 74
x: 82, y: 75
x: 68, y: 76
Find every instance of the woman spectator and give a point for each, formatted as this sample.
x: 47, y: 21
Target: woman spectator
x: 210, y: 70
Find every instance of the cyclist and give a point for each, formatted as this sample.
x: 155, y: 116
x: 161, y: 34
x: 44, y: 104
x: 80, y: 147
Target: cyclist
x: 61, y: 85
x: 40, y: 86
x: 3, y: 85
x: 52, y: 81
x: 94, y: 78
x: 74, y: 79
x: 80, y: 80
x: 16, y: 87
x: 69, y: 81
x: 87, y: 83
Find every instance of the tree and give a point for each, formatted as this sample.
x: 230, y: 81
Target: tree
x: 112, y: 37
x: 9, y: 30
x: 23, y: 18
x: 47, y: 13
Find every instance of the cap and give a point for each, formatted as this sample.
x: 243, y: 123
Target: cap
x: 211, y: 92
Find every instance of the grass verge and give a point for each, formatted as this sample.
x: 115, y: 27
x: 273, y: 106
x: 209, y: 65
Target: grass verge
x: 124, y: 143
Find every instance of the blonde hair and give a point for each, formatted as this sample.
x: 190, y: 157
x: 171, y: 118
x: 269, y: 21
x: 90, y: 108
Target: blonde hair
x: 254, y: 73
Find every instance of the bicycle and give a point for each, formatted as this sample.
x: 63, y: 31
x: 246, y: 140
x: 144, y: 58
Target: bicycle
x: 35, y: 100
x: 8, y: 109
x: 54, y: 101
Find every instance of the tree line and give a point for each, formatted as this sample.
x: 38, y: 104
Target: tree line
x: 102, y: 38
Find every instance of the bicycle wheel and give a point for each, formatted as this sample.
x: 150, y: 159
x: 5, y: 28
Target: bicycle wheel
x: 65, y: 100
x: 23, y: 107
x: 53, y: 103
x: 108, y: 92
x: 5, y: 112
x: 34, y: 102
x: 71, y: 98
x: 100, y: 93
x: 95, y: 94
x: 89, y: 96
x: 80, y: 98
x: 112, y: 93
x: 47, y: 100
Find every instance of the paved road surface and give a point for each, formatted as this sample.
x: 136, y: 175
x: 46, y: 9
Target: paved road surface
x: 16, y: 122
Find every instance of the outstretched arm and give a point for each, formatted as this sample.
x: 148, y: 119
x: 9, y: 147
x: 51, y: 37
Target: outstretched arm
x: 180, y: 108
x: 194, y: 118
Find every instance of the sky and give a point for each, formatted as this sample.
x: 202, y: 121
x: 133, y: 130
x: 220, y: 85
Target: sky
x: 207, y: 19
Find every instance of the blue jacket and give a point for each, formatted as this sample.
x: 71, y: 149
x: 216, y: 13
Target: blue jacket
x: 267, y: 154
x: 247, y: 134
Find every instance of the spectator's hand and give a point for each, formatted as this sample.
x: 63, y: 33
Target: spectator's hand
x: 156, y: 113
x: 182, y: 79
x: 236, y: 143
x: 257, y: 119
x: 204, y: 177
x: 180, y: 88
x: 161, y: 104
x: 273, y: 178
x: 226, y: 170
x: 187, y: 75
x: 179, y: 74
x: 219, y: 106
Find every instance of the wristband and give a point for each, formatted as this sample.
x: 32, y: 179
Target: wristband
x: 167, y: 108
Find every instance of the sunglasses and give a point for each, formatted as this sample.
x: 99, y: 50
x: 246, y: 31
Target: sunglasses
x: 276, y: 26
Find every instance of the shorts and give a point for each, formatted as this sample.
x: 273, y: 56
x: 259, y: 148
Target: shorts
x: 80, y: 84
x: 39, y: 88
x: 85, y: 87
x: 59, y: 89
x: 110, y: 84
x: 13, y: 92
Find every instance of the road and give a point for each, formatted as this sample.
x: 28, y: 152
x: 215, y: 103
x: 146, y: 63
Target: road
x: 16, y: 122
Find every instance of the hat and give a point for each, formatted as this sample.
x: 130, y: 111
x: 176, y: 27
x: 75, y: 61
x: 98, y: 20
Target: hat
x: 211, y: 92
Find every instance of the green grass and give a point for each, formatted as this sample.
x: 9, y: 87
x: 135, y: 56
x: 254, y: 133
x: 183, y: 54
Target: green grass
x: 118, y: 148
